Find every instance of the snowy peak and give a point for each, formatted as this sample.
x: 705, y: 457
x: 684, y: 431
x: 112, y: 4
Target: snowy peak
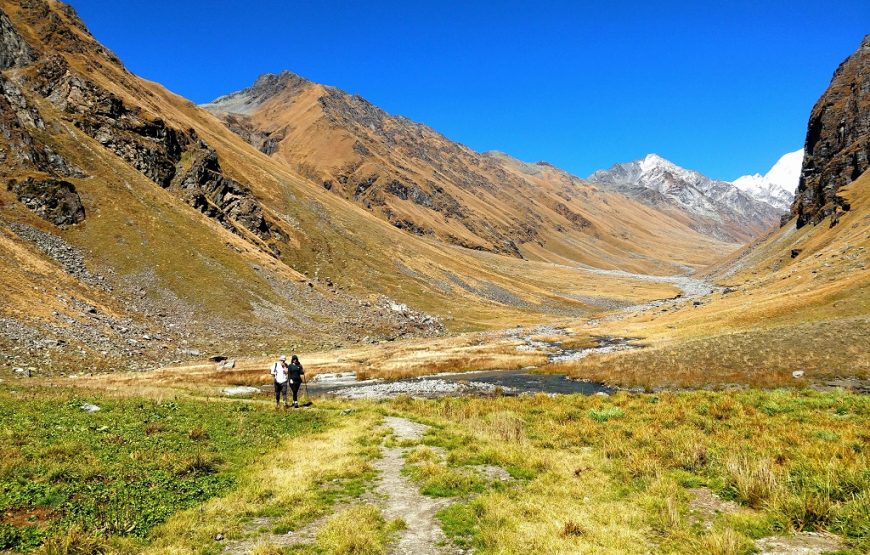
x: 778, y: 185
x: 716, y: 208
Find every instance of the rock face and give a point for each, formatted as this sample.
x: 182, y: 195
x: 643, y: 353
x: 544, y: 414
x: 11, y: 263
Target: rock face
x: 838, y: 140
x: 172, y: 158
x: 717, y: 208
x: 14, y: 50
x: 52, y: 199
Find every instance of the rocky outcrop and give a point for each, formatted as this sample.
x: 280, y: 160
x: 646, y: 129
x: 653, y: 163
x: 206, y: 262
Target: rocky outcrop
x: 175, y: 159
x: 20, y: 147
x: 53, y: 200
x: 206, y: 188
x: 264, y: 141
x: 838, y: 140
x: 14, y: 50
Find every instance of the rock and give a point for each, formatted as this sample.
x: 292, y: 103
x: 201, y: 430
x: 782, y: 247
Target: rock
x: 800, y: 543
x: 837, y: 142
x: 218, y: 537
x: 14, y: 50
x: 240, y: 390
x: 797, y: 374
x: 696, y: 303
x: 87, y: 407
x: 217, y: 358
x: 602, y: 394
x: 53, y: 200
x: 229, y: 364
x: 345, y: 412
x: 796, y: 252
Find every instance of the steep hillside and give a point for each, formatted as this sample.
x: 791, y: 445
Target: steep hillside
x: 136, y: 227
x: 421, y: 182
x: 838, y: 140
x: 714, y: 208
x: 777, y: 186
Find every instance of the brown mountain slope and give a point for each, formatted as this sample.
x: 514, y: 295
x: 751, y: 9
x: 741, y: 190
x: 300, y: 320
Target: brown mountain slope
x: 420, y: 181
x: 193, y: 240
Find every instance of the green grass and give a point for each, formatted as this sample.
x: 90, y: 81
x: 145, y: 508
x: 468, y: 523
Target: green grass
x: 612, y: 475
x: 126, y: 468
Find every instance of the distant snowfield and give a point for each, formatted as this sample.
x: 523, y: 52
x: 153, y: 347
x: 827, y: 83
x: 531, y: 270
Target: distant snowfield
x: 777, y: 186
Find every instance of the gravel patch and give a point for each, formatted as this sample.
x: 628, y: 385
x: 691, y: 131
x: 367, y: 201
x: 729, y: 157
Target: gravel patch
x: 417, y: 388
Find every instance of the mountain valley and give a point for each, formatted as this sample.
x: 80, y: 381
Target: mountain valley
x: 503, y: 357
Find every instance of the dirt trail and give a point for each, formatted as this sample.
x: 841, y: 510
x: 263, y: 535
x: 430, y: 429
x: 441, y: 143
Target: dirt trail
x: 402, y: 498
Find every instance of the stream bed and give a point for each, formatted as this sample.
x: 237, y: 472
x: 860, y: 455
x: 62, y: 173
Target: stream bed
x: 524, y: 381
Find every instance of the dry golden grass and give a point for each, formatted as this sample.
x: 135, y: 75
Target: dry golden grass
x: 387, y: 360
x: 624, y: 483
x: 810, y: 313
x: 765, y: 358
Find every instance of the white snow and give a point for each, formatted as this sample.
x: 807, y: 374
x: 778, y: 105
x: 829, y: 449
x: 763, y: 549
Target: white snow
x: 778, y: 185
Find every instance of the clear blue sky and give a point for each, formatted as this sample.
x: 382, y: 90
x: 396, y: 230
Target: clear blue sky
x: 723, y: 87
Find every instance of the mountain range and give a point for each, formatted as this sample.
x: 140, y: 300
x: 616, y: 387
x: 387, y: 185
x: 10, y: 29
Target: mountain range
x: 715, y: 208
x: 422, y: 182
x: 292, y: 213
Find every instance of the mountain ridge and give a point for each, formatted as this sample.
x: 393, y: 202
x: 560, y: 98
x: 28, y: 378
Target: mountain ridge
x: 716, y: 207
x: 426, y: 184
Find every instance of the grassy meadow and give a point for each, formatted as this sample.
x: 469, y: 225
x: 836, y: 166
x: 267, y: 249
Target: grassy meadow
x: 700, y: 472
x: 694, y: 472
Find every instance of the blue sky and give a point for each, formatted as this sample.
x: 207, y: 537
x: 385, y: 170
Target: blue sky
x: 721, y: 87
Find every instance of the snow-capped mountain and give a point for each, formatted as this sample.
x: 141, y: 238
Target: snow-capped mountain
x: 777, y: 186
x: 716, y: 208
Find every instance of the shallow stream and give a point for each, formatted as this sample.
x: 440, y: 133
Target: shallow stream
x: 484, y: 382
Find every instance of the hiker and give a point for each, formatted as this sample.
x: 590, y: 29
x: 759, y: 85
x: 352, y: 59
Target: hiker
x: 295, y: 372
x: 279, y: 372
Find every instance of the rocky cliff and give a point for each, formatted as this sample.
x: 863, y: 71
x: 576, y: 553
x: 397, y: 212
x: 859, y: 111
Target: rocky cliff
x: 838, y: 141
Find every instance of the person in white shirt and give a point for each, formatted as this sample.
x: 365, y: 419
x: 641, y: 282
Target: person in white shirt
x: 279, y: 373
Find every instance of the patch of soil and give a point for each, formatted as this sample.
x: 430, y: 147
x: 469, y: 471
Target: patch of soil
x: 705, y: 506
x: 305, y: 535
x: 802, y: 543
x: 493, y: 473
x: 28, y: 516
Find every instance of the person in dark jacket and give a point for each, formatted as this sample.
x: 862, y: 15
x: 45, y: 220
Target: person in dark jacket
x: 295, y: 373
